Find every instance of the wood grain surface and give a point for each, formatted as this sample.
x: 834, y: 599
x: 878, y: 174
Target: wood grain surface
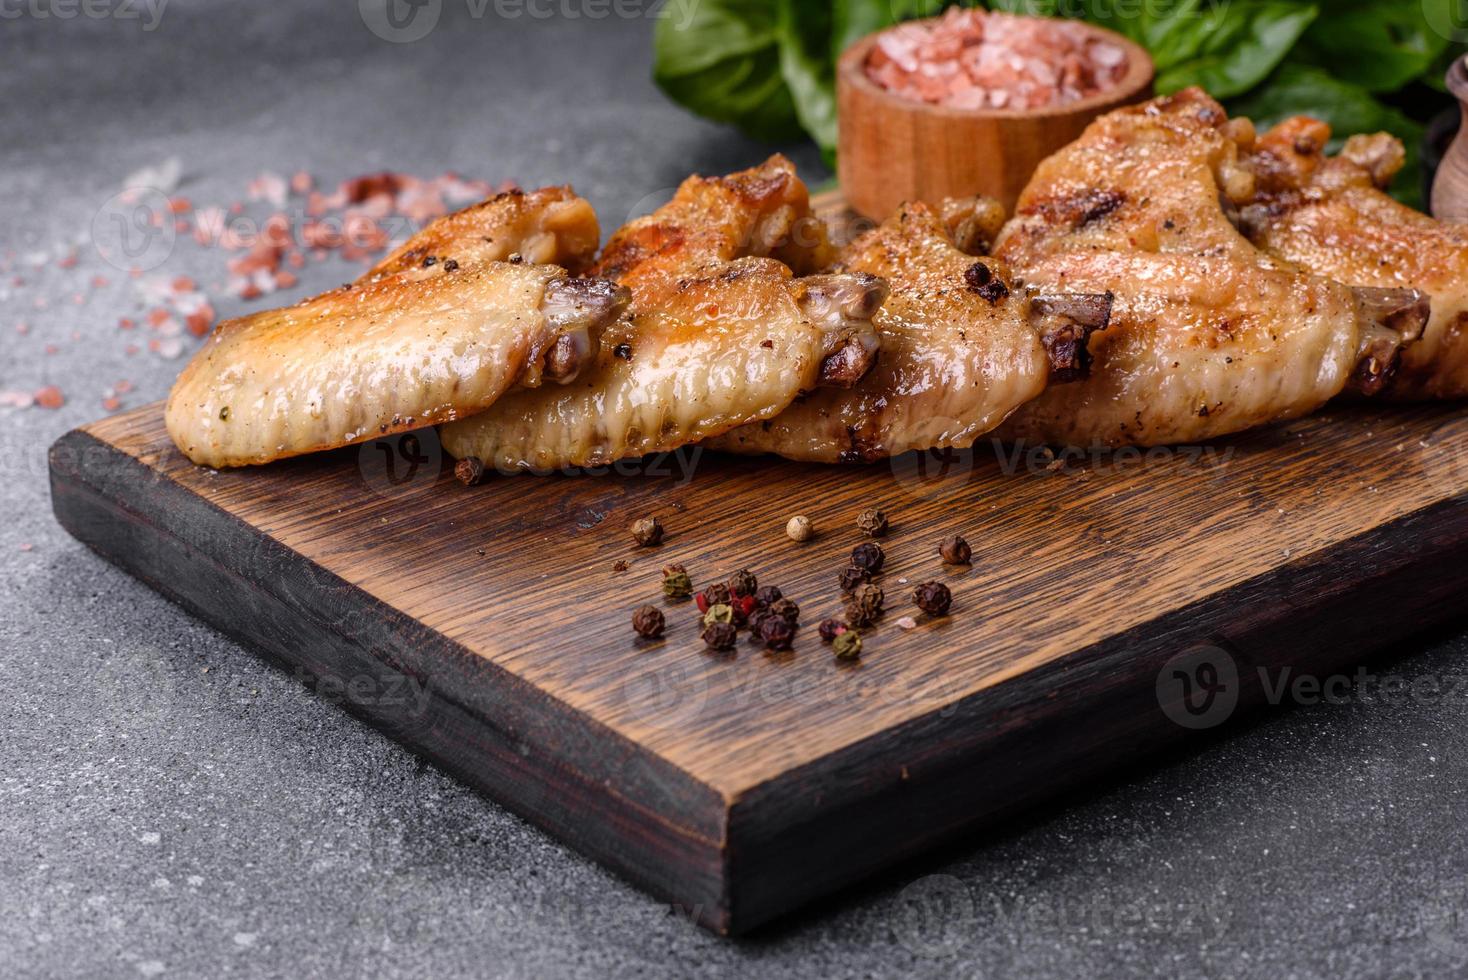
x: 743, y: 785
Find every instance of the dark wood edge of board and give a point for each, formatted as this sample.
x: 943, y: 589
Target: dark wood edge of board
x: 544, y: 761
x: 736, y: 864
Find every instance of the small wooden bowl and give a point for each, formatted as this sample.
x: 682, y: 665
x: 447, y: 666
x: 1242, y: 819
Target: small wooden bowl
x: 1450, y: 187
x: 892, y: 149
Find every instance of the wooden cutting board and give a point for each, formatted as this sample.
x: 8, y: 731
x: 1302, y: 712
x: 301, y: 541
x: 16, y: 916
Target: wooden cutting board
x: 1115, y: 604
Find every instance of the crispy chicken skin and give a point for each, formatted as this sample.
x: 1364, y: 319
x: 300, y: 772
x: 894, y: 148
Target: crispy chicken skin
x: 962, y: 346
x: 550, y: 226
x: 1208, y: 335
x: 371, y: 359
x: 407, y: 345
x: 719, y: 332
x: 1333, y: 216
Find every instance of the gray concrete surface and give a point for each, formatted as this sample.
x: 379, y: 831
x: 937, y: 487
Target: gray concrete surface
x: 169, y: 806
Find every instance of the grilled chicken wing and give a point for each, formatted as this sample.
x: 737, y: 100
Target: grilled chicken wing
x: 960, y: 349
x: 404, y: 347
x: 1208, y: 335
x: 1332, y: 215
x: 550, y: 226
x: 719, y: 331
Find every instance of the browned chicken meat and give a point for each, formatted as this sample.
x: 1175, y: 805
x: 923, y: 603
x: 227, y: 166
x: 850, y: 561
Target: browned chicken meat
x: 1333, y: 216
x: 406, y: 346
x: 719, y: 331
x: 1208, y: 335
x: 962, y: 345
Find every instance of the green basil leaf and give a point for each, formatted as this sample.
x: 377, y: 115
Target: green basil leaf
x: 1239, y: 45
x: 1296, y: 90
x: 807, y: 66
x: 1380, y: 45
x: 720, y: 59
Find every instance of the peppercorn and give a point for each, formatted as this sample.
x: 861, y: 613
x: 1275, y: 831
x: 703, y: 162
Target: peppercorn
x: 676, y: 583
x: 743, y: 583
x: 718, y: 614
x: 933, y: 598
x: 450, y: 265
x: 852, y: 578
x: 742, y: 605
x: 847, y: 646
x: 469, y: 470
x: 648, y: 622
x: 872, y: 522
x: 720, y: 636
x: 955, y: 550
x: 777, y: 632
x: 865, y: 606
x: 799, y: 528
x: 647, y: 531
x: 757, y: 622
x: 868, y: 556
x: 786, y: 610
x: 830, y: 629
x: 768, y: 596
x: 713, y: 595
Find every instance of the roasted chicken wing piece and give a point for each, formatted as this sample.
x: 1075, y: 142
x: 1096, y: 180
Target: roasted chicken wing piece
x: 962, y: 345
x: 1333, y: 216
x: 1208, y: 335
x: 550, y: 226
x: 719, y: 331
x: 404, y: 347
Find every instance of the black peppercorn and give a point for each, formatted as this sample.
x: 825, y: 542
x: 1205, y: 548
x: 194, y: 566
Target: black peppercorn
x: 955, y: 550
x: 743, y: 583
x: 777, y: 632
x: 648, y: 622
x: 469, y: 470
x: 830, y: 629
x: 853, y: 578
x: 713, y: 595
x: 768, y: 596
x: 451, y: 265
x: 933, y: 598
x: 786, y: 610
x: 865, y: 606
x: 720, y: 636
x: 872, y: 522
x: 869, y: 557
x: 430, y: 261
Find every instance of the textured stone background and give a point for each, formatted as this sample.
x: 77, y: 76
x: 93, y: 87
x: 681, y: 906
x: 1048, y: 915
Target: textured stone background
x: 171, y: 806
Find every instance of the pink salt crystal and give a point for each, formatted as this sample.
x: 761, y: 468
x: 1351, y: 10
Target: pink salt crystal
x: 27, y: 546
x: 50, y: 397
x: 111, y: 404
x: 16, y: 399
x: 301, y: 182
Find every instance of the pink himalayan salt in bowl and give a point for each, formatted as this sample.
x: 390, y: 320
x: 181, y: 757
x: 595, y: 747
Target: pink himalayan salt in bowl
x: 976, y: 59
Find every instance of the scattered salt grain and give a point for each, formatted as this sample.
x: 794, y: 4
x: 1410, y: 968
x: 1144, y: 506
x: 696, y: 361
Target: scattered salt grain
x: 907, y: 623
